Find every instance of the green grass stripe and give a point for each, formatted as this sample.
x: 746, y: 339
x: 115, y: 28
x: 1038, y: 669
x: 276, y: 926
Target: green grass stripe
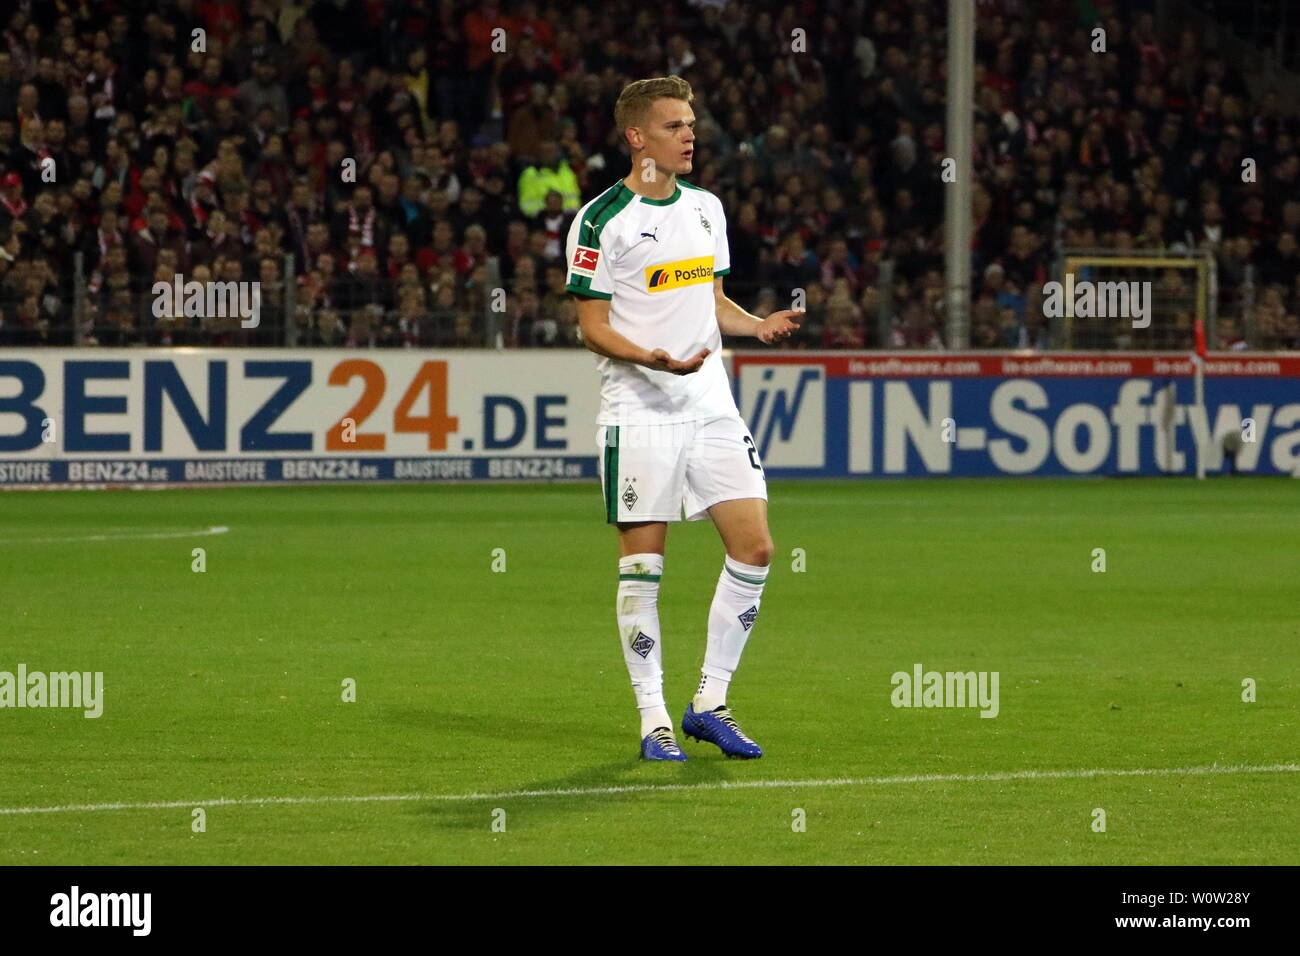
x: 223, y: 689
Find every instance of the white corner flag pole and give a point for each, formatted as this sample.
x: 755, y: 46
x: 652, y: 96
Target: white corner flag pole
x: 1199, y: 365
x: 1198, y: 372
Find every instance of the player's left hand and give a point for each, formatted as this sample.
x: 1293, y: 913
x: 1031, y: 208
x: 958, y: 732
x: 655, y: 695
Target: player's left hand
x: 779, y: 326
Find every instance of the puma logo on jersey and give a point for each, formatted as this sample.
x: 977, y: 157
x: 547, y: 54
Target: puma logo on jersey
x: 651, y: 235
x: 674, y: 275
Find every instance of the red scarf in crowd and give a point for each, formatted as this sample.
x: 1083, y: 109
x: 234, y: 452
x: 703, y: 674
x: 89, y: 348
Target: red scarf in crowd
x: 365, y: 228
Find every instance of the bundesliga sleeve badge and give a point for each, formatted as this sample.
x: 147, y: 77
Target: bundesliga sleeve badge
x: 584, y: 261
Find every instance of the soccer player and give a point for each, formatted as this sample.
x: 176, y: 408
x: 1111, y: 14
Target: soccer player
x: 646, y: 261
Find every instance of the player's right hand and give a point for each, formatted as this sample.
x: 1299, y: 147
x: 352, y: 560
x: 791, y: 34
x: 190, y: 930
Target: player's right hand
x: 663, y: 362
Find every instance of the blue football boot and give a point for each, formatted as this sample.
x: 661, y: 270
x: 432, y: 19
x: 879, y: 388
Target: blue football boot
x: 659, y: 744
x: 717, y: 726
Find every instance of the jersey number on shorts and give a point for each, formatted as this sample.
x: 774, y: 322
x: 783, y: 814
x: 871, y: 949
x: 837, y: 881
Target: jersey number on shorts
x: 753, y: 453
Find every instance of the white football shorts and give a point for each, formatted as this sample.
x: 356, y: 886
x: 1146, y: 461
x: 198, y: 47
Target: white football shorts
x: 665, y: 472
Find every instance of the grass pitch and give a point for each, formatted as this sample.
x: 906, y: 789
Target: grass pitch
x: 226, y: 685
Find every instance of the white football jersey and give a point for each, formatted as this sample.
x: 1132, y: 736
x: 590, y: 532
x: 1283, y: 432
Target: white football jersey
x: 655, y: 260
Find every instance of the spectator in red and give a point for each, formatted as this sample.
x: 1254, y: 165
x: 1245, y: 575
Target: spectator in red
x: 839, y: 264
x: 209, y: 86
x: 152, y: 237
x: 11, y: 199
x: 844, y: 326
x: 221, y: 18
x: 918, y: 330
x: 473, y: 252
x: 397, y: 255
x: 441, y: 251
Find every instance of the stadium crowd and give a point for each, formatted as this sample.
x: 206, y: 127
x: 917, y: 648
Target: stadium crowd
x: 477, y: 129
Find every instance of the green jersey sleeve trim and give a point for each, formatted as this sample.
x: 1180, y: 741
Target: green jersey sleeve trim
x: 604, y: 209
x: 587, y: 293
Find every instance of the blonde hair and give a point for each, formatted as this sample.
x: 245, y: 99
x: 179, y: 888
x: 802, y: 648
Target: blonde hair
x: 634, y: 102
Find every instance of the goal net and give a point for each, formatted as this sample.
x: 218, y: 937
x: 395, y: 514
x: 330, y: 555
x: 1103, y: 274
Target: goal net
x: 1132, y: 299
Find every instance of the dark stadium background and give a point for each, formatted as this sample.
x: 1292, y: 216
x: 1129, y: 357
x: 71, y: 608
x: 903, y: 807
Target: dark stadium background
x: 225, y: 164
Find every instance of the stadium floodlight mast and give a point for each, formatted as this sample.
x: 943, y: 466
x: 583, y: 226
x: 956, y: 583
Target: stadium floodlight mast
x: 957, y: 194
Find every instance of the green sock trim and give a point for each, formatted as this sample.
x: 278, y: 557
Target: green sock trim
x: 741, y: 577
x: 639, y: 577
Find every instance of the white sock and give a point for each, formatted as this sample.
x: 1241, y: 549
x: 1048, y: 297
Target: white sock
x: 638, y: 629
x: 731, y: 618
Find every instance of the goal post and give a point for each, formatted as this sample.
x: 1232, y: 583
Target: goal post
x: 1142, y: 299
x: 1175, y: 291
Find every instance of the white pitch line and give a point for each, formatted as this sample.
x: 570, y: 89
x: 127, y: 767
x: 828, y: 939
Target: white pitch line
x: 132, y: 536
x: 663, y: 788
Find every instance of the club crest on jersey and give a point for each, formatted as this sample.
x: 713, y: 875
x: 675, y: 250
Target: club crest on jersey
x: 629, y: 497
x: 674, y: 275
x: 748, y: 617
x: 642, y: 644
x: 704, y: 222
x: 584, y: 261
